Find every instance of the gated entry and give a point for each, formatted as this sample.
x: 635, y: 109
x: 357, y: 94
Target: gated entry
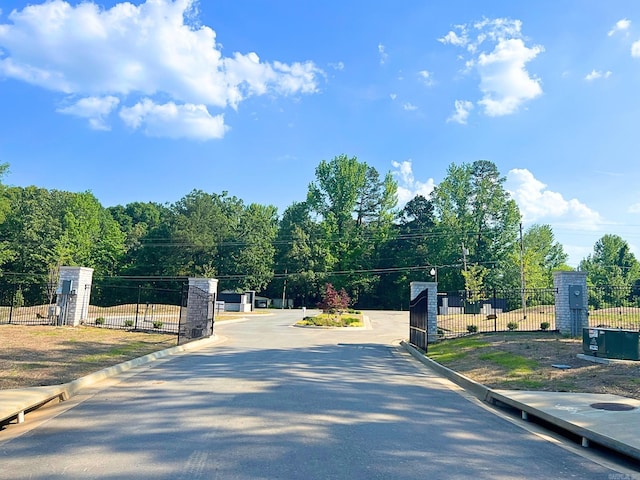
x: 418, y: 335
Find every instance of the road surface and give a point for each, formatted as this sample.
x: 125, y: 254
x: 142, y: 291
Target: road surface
x: 272, y: 401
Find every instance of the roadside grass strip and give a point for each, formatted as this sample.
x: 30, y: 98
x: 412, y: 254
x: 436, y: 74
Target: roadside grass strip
x: 452, y: 350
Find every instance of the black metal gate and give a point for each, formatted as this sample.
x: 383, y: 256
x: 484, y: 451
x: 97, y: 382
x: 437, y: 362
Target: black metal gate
x: 418, y: 325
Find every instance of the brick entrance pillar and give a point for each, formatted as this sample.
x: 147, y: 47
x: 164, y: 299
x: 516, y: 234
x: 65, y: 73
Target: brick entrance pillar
x: 572, y: 302
x: 198, y: 321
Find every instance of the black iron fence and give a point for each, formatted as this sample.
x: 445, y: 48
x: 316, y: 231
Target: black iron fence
x: 464, y: 312
x: 26, y: 303
x: 149, y: 306
x: 614, y: 307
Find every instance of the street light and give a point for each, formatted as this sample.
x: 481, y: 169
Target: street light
x: 434, y: 273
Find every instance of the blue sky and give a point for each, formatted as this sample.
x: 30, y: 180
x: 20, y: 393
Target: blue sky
x: 145, y: 101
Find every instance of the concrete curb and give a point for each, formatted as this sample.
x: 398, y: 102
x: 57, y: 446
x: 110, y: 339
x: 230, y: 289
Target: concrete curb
x: 72, y: 388
x: 495, y: 397
x: 480, y: 391
x: 15, y: 403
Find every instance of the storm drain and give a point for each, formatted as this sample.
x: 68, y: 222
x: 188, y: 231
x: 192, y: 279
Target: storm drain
x: 612, y: 406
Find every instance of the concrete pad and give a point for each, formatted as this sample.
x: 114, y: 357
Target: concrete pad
x: 617, y: 430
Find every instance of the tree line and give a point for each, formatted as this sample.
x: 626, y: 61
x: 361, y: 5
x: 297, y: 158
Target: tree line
x: 348, y: 231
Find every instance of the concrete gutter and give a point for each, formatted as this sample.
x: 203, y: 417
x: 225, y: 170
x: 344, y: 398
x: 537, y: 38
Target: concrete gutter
x: 572, y: 412
x: 477, y: 389
x: 15, y: 403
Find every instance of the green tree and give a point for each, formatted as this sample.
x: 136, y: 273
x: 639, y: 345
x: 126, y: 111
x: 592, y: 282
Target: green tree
x: 405, y: 252
x: 253, y: 260
x: 611, y: 263
x: 473, y: 209
x: 355, y: 210
x: 541, y: 256
x: 301, y: 259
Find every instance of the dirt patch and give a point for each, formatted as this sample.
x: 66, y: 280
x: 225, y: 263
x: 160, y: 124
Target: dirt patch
x: 525, y: 361
x: 45, y: 355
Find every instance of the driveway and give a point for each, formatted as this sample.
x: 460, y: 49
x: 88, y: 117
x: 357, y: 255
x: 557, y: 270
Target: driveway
x: 271, y: 401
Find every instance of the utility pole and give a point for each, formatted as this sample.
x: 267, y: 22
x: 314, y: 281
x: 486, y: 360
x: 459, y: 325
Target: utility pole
x: 284, y: 287
x: 464, y: 263
x: 464, y: 256
x: 522, y: 279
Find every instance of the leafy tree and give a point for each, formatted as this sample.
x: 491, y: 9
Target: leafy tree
x: 354, y: 208
x: 473, y: 209
x: 611, y: 263
x: 542, y: 255
x: 253, y: 260
x: 408, y: 248
x: 474, y: 282
x: 300, y: 256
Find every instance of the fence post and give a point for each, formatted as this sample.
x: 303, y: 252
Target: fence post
x: 572, y: 314
x: 495, y: 310
x: 137, y: 308
x: 13, y: 299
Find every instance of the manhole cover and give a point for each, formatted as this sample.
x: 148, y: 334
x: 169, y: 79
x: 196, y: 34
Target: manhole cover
x: 613, y: 406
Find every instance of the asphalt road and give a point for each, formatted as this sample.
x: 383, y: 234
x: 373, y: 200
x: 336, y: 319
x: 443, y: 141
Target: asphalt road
x: 271, y: 401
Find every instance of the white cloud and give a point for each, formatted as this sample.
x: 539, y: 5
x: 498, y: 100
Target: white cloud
x: 383, y: 55
x: 504, y: 80
x: 95, y: 109
x: 537, y: 203
x: 463, y: 108
x: 635, y: 208
x: 393, y: 96
x: 155, y: 49
x: 499, y: 55
x: 174, y: 121
x: 408, y: 186
x: 635, y: 49
x: 620, y: 26
x: 453, y: 38
x: 409, y: 107
x: 426, y: 77
x: 596, y: 74
x: 337, y: 65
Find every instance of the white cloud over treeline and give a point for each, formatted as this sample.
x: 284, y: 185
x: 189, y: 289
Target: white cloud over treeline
x: 408, y: 186
x: 539, y: 204
x: 153, y: 61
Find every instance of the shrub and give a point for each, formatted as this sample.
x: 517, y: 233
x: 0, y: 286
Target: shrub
x: 545, y: 326
x: 334, y: 301
x: 128, y: 323
x: 472, y: 328
x: 100, y: 321
x: 512, y: 326
x: 157, y: 324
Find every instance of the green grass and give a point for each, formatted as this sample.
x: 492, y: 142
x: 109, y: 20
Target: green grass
x: 115, y: 352
x: 33, y: 366
x: 514, y: 364
x: 451, y: 350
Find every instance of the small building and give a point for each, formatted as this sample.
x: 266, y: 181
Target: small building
x: 237, y: 302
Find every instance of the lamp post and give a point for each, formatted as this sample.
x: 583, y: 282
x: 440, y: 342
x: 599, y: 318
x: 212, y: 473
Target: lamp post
x: 434, y: 273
